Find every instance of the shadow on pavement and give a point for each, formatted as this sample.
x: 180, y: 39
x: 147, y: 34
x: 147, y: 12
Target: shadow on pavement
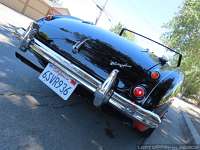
x: 172, y: 130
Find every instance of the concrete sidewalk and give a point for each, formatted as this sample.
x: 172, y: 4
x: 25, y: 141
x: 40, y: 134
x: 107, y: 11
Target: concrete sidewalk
x: 171, y: 131
x: 174, y: 129
x: 191, y: 116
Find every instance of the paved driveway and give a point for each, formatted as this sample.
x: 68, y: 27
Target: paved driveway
x: 33, y: 117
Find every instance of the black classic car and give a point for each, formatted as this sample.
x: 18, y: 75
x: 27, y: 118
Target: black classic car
x: 70, y: 52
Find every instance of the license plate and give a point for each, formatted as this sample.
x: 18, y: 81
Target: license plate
x: 58, y: 81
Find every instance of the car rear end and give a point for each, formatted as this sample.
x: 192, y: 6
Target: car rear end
x: 115, y: 79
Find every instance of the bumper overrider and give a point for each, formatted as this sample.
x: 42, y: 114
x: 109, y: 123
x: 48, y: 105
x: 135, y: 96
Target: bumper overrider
x: 103, y: 92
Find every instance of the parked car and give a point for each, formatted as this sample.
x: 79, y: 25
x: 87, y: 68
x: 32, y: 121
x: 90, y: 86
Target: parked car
x: 70, y: 52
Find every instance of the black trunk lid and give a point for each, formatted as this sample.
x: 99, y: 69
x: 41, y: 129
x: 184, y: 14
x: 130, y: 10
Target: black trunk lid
x: 101, y: 52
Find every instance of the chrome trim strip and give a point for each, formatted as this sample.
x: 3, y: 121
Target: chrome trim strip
x: 135, y: 111
x: 127, y: 107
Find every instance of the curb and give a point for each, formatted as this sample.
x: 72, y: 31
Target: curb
x: 191, y: 128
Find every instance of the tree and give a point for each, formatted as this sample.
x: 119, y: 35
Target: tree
x: 117, y: 28
x: 184, y: 35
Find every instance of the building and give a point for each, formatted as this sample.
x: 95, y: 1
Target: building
x: 35, y: 9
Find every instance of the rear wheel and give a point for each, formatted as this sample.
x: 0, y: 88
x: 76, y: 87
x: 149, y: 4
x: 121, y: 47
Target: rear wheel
x: 148, y: 132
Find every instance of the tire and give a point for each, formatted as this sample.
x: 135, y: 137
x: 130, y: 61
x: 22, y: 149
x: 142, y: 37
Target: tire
x: 148, y: 132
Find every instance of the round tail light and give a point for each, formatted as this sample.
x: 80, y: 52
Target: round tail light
x: 138, y: 91
x: 155, y: 75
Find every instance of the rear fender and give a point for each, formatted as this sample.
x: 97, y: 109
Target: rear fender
x: 167, y: 88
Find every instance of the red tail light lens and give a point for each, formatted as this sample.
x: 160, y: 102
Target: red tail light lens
x: 155, y: 75
x: 139, y: 91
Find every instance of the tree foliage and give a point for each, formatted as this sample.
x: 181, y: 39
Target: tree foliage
x: 118, y: 27
x: 184, y: 35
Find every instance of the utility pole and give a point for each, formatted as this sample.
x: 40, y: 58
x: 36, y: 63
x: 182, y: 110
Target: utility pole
x: 101, y: 10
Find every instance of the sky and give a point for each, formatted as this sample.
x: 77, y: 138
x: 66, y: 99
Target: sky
x: 143, y: 16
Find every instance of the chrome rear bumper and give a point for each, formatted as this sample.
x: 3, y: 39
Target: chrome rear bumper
x: 101, y: 90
